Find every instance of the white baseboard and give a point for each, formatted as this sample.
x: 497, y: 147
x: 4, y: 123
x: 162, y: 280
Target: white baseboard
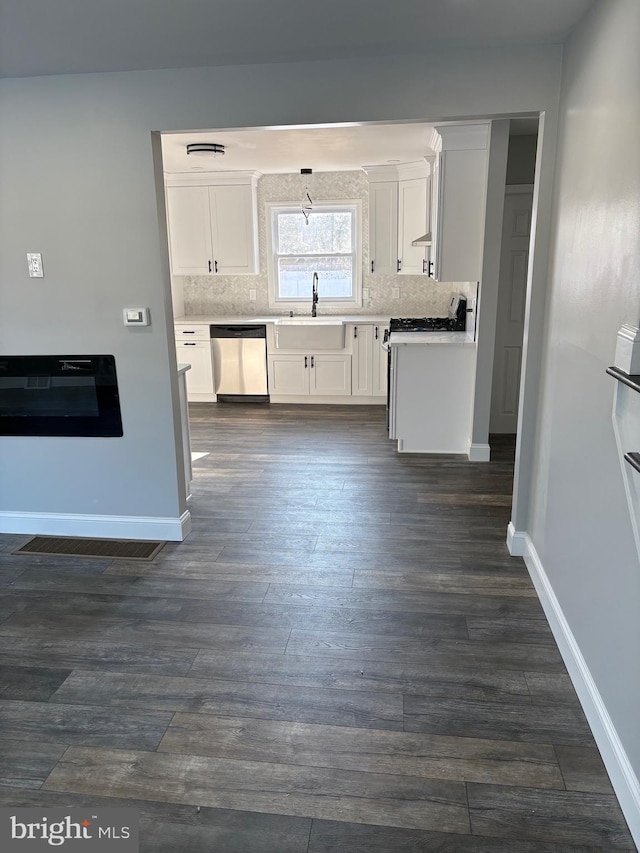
x: 623, y: 777
x: 516, y: 541
x: 479, y: 453
x: 335, y: 400
x: 98, y: 526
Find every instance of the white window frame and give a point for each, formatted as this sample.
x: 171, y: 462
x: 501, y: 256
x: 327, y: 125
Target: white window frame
x: 300, y: 305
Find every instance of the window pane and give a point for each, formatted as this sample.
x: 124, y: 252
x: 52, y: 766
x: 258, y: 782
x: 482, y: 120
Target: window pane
x: 326, y: 232
x: 335, y: 277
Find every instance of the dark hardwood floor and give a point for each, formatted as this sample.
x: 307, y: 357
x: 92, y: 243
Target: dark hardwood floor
x: 341, y: 658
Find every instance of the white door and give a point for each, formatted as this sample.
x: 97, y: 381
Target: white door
x: 512, y: 291
x: 189, y: 230
x: 330, y: 375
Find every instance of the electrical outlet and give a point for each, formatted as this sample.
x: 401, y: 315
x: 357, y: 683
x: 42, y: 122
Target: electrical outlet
x: 395, y: 293
x: 253, y: 294
x: 34, y: 262
x: 365, y: 293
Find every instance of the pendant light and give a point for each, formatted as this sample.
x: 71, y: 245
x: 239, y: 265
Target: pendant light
x: 307, y: 204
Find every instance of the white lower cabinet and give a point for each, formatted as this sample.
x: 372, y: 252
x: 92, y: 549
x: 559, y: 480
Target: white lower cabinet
x: 309, y: 375
x: 431, y: 399
x: 369, y: 362
x: 380, y: 363
x: 330, y: 374
x: 197, y: 353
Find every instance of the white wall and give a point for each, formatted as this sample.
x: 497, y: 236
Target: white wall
x: 578, y: 519
x: 77, y: 180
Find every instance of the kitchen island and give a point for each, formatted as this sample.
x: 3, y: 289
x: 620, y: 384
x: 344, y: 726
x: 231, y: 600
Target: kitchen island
x: 431, y: 391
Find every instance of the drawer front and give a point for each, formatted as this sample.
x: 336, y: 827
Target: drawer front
x: 191, y: 331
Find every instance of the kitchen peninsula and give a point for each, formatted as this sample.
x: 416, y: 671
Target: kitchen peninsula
x: 431, y: 391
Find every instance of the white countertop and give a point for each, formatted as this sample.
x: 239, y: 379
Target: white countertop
x: 206, y: 319
x: 182, y: 368
x: 464, y: 339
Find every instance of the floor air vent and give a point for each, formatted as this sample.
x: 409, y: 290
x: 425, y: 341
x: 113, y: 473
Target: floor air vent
x: 122, y: 549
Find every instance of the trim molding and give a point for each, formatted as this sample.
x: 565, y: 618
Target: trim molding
x: 210, y: 178
x: 99, y: 526
x: 516, y: 541
x: 622, y: 775
x: 479, y: 453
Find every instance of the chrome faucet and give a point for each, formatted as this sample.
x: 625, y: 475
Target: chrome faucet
x: 314, y: 298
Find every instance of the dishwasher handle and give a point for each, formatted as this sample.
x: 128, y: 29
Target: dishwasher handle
x: 238, y: 331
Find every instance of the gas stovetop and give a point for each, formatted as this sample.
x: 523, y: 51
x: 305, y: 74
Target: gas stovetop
x: 426, y: 324
x: 456, y: 321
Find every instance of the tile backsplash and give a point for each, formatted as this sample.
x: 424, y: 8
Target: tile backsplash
x: 229, y: 295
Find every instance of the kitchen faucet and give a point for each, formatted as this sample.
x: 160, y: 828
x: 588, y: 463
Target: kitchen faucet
x: 314, y: 298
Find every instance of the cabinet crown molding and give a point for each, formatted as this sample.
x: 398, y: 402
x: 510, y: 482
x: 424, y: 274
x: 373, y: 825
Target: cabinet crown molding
x: 398, y: 172
x: 208, y: 179
x: 461, y: 137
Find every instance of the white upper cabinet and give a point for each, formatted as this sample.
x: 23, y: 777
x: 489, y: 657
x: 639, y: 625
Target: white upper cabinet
x: 458, y: 201
x: 412, y: 224
x: 232, y: 230
x: 213, y: 224
x: 189, y: 230
x: 398, y: 215
x: 383, y: 227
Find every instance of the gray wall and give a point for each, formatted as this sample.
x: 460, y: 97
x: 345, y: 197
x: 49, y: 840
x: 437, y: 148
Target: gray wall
x: 579, y: 521
x: 77, y: 179
x: 521, y: 159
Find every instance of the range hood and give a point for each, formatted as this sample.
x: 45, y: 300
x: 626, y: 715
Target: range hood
x: 425, y: 240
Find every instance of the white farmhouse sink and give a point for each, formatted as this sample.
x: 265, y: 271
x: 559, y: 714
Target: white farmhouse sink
x: 310, y: 333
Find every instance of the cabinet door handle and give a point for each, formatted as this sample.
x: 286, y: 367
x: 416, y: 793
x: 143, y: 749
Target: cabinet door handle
x: 188, y: 344
x: 305, y: 361
x: 215, y: 266
x: 376, y: 333
x: 373, y: 266
x: 312, y: 362
x: 431, y: 270
x: 355, y: 331
x: 188, y: 333
x: 209, y: 266
x: 398, y: 265
x: 423, y: 266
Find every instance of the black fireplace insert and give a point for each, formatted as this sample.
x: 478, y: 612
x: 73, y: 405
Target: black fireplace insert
x: 59, y: 395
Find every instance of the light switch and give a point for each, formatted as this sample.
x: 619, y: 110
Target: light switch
x: 34, y: 261
x: 253, y: 294
x: 136, y: 316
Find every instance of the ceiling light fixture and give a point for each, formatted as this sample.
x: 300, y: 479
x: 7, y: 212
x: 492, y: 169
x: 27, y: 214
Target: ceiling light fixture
x: 306, y: 205
x: 212, y: 149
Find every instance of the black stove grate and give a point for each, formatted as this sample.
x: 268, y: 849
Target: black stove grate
x: 426, y: 324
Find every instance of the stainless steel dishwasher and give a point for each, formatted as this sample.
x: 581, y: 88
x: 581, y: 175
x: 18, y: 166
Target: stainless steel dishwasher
x: 239, y: 354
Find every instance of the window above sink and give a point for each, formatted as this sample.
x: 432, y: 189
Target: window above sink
x: 330, y: 245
